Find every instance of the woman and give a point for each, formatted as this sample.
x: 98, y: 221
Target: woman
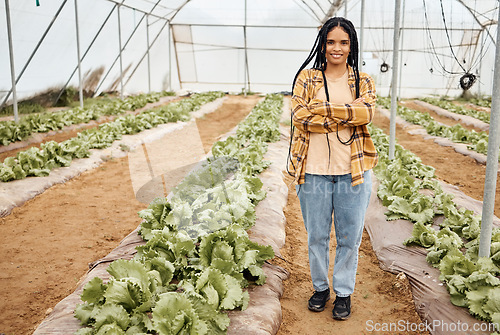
x: 331, y: 156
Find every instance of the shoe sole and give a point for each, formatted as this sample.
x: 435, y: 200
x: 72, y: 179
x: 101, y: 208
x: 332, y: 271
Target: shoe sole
x: 341, y: 318
x: 317, y: 309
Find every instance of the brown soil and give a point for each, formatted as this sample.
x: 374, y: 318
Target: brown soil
x: 48, y: 243
x: 64, y: 134
x: 58, y: 136
x: 380, y: 297
x: 439, y: 118
x: 451, y: 167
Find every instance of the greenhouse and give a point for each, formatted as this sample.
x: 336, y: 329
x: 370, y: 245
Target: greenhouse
x: 153, y: 153
x: 238, y: 45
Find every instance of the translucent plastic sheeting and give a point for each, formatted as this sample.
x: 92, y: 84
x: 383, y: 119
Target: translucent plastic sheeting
x: 239, y: 44
x: 432, y: 300
x: 185, y: 50
x: 263, y: 315
x: 55, y: 61
x: 461, y: 148
x: 15, y: 193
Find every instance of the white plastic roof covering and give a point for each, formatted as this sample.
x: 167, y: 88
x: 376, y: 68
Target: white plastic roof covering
x: 233, y: 45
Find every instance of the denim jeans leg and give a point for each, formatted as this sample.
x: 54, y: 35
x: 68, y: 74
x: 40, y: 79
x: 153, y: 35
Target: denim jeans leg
x: 316, y: 204
x: 350, y: 205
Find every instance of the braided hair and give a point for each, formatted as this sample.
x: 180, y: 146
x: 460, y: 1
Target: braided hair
x: 318, y: 54
x: 318, y: 50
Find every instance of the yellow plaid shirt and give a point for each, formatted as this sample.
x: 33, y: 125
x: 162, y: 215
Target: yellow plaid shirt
x: 313, y: 115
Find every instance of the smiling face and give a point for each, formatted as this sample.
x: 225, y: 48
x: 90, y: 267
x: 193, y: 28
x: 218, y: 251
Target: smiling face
x: 338, y: 47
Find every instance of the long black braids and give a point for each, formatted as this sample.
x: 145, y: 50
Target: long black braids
x: 318, y: 50
x: 318, y: 54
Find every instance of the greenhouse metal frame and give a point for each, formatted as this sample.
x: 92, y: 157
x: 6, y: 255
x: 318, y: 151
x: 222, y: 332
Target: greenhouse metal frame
x: 243, y: 46
x: 125, y: 47
x: 255, y: 47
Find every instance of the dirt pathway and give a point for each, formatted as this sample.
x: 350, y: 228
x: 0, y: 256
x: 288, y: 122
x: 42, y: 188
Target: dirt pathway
x: 48, y: 243
x: 438, y: 118
x: 380, y: 297
x: 451, y: 167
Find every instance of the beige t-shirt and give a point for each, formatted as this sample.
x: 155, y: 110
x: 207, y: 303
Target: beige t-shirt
x: 340, y: 154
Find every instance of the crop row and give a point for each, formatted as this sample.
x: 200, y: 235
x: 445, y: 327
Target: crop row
x: 476, y: 141
x: 472, y: 282
x: 11, y: 131
x: 197, y: 258
x: 482, y: 102
x: 458, y: 109
x: 39, y: 162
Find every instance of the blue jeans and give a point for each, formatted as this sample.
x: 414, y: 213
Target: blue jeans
x: 320, y: 196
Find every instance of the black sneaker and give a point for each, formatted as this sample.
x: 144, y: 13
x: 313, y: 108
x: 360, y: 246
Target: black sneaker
x: 342, y: 308
x: 318, y: 301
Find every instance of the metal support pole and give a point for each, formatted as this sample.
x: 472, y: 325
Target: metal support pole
x: 11, y: 57
x: 490, y: 182
x: 84, y: 54
x: 361, y: 35
x: 145, y: 54
x: 149, y: 58
x: 169, y: 57
x: 124, y: 46
x: 35, y: 50
x: 177, y: 60
x: 345, y: 8
x: 401, y: 48
x: 481, y: 34
x: 80, y: 81
x: 120, y: 55
x: 394, y: 84
x: 245, y: 89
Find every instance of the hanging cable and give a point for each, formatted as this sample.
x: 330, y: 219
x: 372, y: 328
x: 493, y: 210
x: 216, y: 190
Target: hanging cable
x: 379, y: 46
x: 448, y: 37
x: 384, y: 67
x: 490, y: 41
x: 433, y: 47
x: 467, y: 78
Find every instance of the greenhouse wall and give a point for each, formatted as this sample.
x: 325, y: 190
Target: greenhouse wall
x: 238, y: 45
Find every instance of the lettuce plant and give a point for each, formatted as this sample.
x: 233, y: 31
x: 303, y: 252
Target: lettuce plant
x: 197, y: 258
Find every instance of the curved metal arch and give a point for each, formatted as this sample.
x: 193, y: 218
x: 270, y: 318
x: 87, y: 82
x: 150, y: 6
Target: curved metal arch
x: 483, y: 26
x: 150, y: 12
x: 334, y: 7
x: 179, y: 9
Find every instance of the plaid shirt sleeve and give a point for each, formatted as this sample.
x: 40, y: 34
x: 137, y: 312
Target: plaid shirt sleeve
x: 320, y: 116
x: 313, y: 115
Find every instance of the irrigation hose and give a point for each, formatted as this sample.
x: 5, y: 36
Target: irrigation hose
x: 467, y: 80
